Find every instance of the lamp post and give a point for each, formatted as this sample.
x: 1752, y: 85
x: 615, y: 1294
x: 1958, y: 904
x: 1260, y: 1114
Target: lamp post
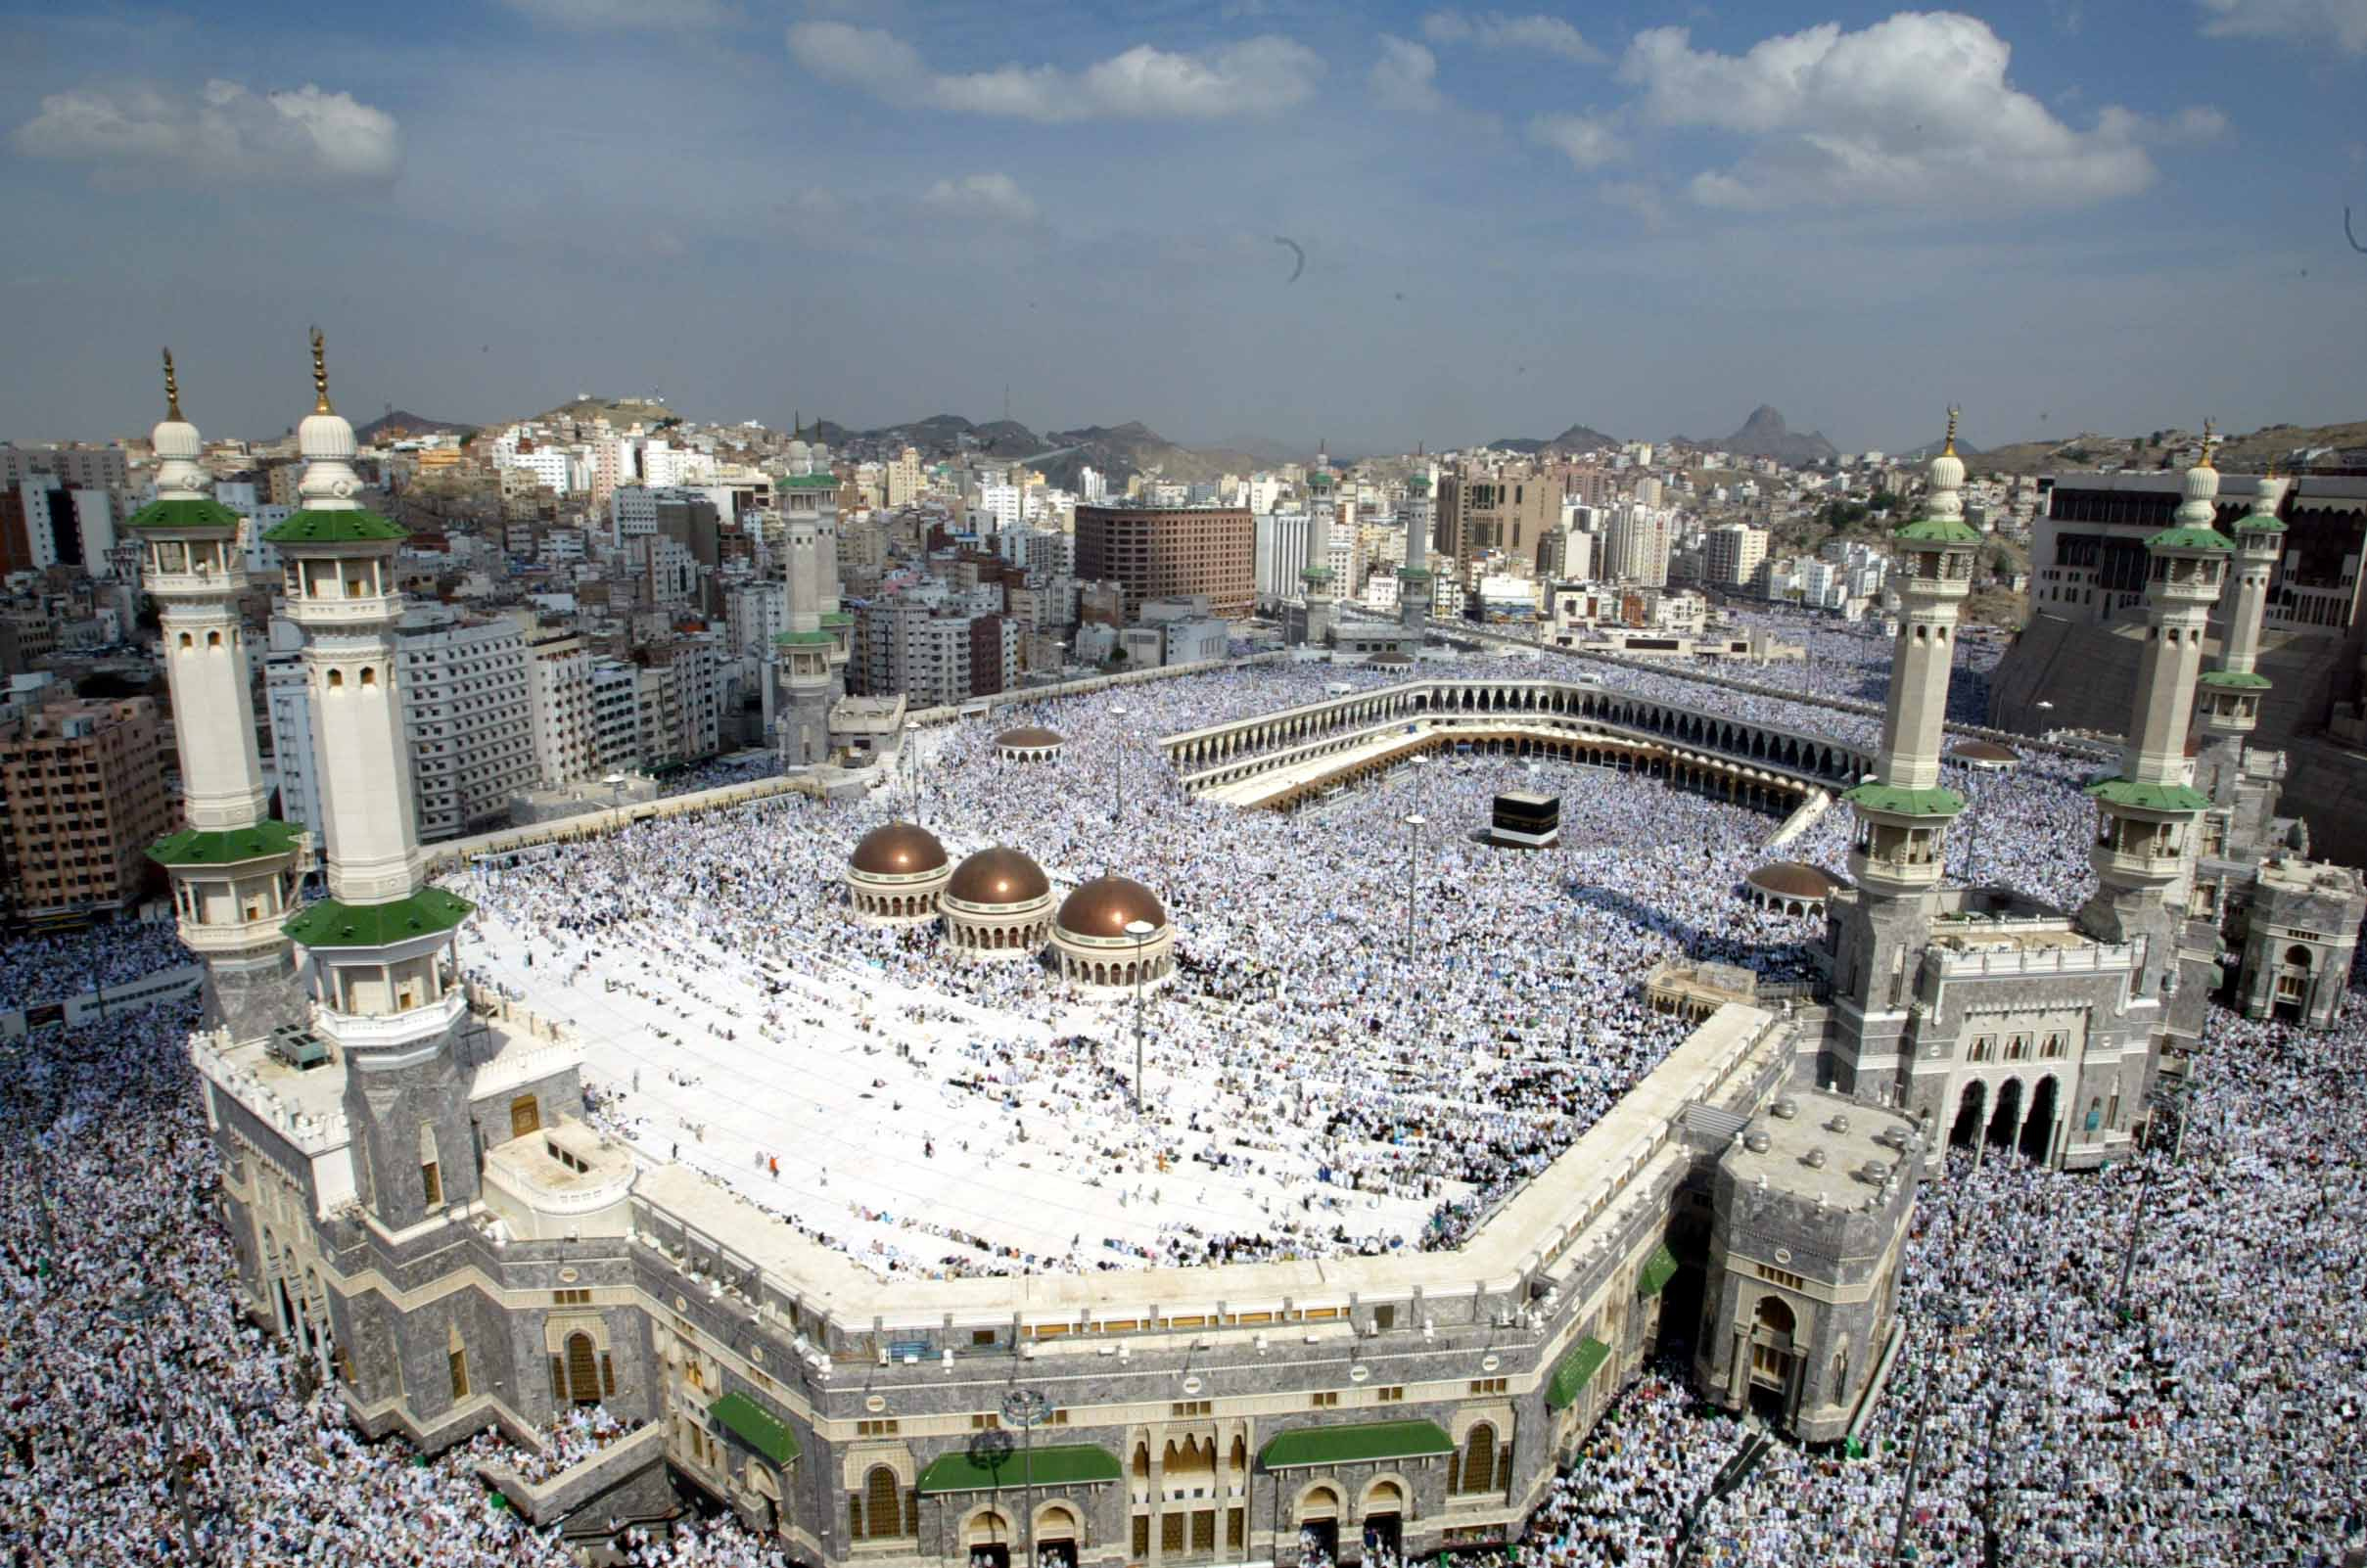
x: 134, y: 1310
x: 1413, y: 825
x: 1140, y: 931
x: 1118, y: 808
x: 1027, y: 1408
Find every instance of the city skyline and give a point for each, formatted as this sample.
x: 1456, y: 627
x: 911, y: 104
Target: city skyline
x: 1510, y: 221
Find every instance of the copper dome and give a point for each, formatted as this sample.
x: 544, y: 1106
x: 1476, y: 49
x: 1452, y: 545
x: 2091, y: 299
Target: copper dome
x: 1794, y: 879
x: 899, y: 849
x: 998, y: 876
x: 1027, y: 738
x: 1106, y: 905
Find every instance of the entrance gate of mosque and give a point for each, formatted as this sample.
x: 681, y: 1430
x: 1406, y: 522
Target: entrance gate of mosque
x: 989, y: 1541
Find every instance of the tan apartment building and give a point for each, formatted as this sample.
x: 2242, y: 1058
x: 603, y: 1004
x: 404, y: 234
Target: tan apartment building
x: 84, y: 788
x: 1509, y: 508
x: 1159, y: 552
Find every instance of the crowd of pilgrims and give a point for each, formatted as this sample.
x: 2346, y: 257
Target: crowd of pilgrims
x: 1431, y: 1068
x: 36, y: 968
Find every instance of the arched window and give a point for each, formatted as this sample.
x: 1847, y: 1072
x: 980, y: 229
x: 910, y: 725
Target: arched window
x: 1479, y: 1460
x: 582, y: 1369
x: 337, y: 681
x: 187, y: 641
x: 1141, y: 1461
x: 369, y: 676
x: 2297, y: 954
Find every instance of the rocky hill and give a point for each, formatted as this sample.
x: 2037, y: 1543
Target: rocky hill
x: 1577, y: 438
x: 397, y: 423
x: 620, y: 412
x: 1765, y: 435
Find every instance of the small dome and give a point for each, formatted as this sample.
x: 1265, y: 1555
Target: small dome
x: 1106, y: 905
x: 176, y: 438
x: 1794, y: 879
x: 1984, y: 752
x: 325, y: 436
x: 1027, y: 738
x: 998, y: 876
x: 899, y: 849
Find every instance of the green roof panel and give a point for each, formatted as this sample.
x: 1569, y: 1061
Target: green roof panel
x: 1905, y: 802
x: 2189, y: 539
x: 1939, y: 531
x: 1657, y: 1271
x: 1576, y: 1371
x: 182, y: 515
x: 753, y: 1425
x: 1355, y: 1444
x: 2235, y: 681
x: 353, y: 527
x: 332, y: 923
x: 2149, y: 797
x: 807, y: 482
x: 792, y: 639
x: 190, y: 847
x: 1067, y: 1464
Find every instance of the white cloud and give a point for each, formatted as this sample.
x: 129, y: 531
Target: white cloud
x: 1638, y: 198
x: 1257, y: 76
x: 1586, y: 141
x: 1406, y: 76
x: 1492, y: 29
x: 1912, y: 110
x: 622, y: 15
x: 993, y: 196
x: 2340, y: 22
x: 222, y: 133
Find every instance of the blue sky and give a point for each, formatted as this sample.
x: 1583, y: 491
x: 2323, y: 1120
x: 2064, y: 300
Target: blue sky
x: 2061, y: 214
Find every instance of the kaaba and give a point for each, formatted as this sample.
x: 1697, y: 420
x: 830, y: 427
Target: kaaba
x: 1527, y: 820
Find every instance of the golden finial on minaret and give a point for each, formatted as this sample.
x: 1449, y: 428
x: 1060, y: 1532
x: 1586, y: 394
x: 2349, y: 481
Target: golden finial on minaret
x: 2210, y: 438
x: 320, y: 375
x: 173, y: 391
x: 1948, y: 449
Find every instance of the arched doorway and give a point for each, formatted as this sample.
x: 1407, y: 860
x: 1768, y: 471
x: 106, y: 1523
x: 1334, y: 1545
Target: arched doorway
x: 989, y: 1539
x: 1968, y: 1116
x: 1057, y: 1536
x: 582, y: 1370
x: 1384, y: 1520
x: 1773, y: 1326
x: 1320, y: 1524
x: 2038, y: 1128
x: 2006, y: 1120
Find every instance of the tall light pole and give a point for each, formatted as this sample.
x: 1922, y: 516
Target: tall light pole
x: 134, y: 1310
x: 1027, y: 1408
x: 1118, y: 808
x: 1140, y: 931
x: 1413, y: 826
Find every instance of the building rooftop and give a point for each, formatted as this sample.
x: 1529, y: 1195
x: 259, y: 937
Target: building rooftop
x: 1815, y: 1144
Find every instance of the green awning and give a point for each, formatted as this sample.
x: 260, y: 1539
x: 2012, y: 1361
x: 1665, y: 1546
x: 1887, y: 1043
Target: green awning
x: 1657, y: 1271
x: 1355, y: 1444
x: 1069, y: 1464
x: 334, y: 922
x: 1905, y: 802
x: 191, y: 847
x: 2149, y: 797
x: 1577, y: 1369
x: 189, y: 514
x: 351, y: 526
x: 748, y: 1421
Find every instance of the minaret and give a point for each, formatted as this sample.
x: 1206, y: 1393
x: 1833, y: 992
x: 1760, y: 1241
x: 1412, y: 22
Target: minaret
x: 234, y: 869
x: 2146, y: 832
x: 1903, y: 812
x: 2232, y: 693
x: 1315, y: 579
x: 384, y: 976
x: 1903, y: 815
x: 806, y: 651
x: 1414, y: 592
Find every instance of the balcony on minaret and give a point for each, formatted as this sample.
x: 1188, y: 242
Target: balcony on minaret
x: 2229, y: 701
x: 1901, y: 844
x: 2141, y: 830
x: 193, y: 562
x: 384, y: 974
x: 232, y: 889
x: 2188, y: 571
x: 327, y: 591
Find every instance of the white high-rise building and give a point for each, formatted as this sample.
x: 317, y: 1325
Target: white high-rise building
x: 1734, y: 552
x: 1639, y: 545
x: 905, y: 478
x: 468, y: 718
x: 561, y: 695
x: 615, y: 697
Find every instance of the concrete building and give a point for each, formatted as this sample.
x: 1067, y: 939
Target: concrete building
x: 468, y: 718
x: 1154, y: 552
x: 83, y: 792
x: 1733, y: 557
x: 1639, y: 545
x: 559, y: 693
x: 1509, y: 509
